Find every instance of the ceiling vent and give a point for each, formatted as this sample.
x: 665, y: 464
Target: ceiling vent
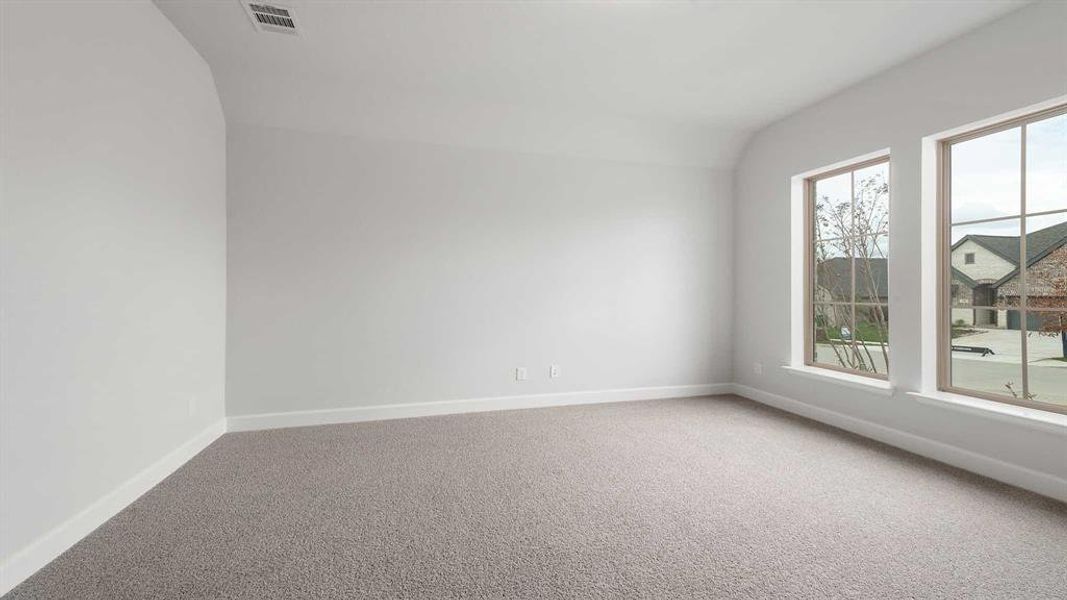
x: 270, y: 17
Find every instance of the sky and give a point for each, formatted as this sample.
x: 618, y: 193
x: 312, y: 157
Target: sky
x: 986, y: 176
x: 834, y: 194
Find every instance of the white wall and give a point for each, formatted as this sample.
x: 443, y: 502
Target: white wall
x: 986, y: 266
x: 375, y: 272
x: 312, y: 102
x: 1013, y: 62
x: 113, y: 240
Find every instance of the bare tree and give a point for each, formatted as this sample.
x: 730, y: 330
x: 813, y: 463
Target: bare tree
x: 848, y: 233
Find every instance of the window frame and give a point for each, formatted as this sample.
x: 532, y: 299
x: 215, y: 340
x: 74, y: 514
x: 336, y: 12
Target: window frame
x: 944, y: 256
x: 809, y: 182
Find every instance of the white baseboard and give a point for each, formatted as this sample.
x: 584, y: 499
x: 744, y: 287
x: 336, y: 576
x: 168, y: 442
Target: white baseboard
x: 1036, y: 481
x: 46, y: 548
x: 447, y: 407
x: 39, y: 553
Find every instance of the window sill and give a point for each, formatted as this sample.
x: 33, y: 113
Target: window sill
x: 1040, y: 419
x: 867, y: 384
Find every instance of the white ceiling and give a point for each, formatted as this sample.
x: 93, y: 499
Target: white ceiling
x: 669, y: 82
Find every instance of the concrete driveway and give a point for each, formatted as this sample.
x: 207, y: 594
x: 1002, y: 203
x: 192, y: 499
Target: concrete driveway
x: 992, y: 373
x: 1048, y: 378
x: 1008, y: 347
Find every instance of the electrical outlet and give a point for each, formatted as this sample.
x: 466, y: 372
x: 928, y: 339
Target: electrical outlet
x: 757, y: 368
x: 553, y: 371
x: 520, y: 374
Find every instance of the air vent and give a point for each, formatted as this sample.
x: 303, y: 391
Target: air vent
x: 273, y: 18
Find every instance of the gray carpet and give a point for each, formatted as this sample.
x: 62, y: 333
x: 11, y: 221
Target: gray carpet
x: 694, y: 498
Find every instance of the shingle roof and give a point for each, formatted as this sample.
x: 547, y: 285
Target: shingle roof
x: 963, y: 278
x: 840, y: 269
x: 1043, y: 241
x: 1038, y: 243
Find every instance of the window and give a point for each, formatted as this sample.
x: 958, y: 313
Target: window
x: 1002, y: 331
x: 847, y: 270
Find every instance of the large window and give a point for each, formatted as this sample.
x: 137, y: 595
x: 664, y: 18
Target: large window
x: 1003, y: 268
x: 847, y: 274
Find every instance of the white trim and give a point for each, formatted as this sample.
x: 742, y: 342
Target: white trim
x: 1012, y: 474
x: 867, y: 384
x: 1001, y: 411
x: 798, y: 252
x: 28, y: 560
x: 997, y: 119
x: 928, y: 251
x: 884, y: 152
x: 43, y: 550
x: 380, y: 412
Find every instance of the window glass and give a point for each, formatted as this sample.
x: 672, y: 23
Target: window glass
x: 872, y: 337
x: 872, y: 269
x: 849, y: 297
x: 871, y: 191
x: 987, y: 355
x: 833, y: 270
x: 1007, y: 264
x: 1045, y: 356
x: 1046, y: 268
x: 832, y: 336
x: 994, y: 249
x: 833, y: 207
x: 1046, y: 164
x: 986, y: 177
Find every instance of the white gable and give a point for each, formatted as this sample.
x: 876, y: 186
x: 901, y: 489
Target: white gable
x: 987, y: 266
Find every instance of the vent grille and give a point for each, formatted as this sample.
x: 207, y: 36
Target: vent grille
x: 269, y: 10
x: 276, y: 21
x: 272, y: 18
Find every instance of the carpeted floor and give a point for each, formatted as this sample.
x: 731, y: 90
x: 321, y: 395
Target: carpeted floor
x: 694, y: 498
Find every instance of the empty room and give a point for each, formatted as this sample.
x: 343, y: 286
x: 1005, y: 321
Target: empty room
x: 425, y: 299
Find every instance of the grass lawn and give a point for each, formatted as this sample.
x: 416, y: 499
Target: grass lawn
x: 865, y: 332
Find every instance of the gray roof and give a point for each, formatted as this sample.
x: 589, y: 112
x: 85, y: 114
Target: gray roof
x: 1038, y: 243
x: 960, y: 276
x: 840, y: 269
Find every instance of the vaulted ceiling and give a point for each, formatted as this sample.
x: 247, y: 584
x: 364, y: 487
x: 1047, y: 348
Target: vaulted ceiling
x: 660, y: 82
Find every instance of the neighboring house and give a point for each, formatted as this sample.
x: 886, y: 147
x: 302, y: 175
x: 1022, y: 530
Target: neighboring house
x: 986, y: 272
x: 834, y: 284
x: 834, y: 280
